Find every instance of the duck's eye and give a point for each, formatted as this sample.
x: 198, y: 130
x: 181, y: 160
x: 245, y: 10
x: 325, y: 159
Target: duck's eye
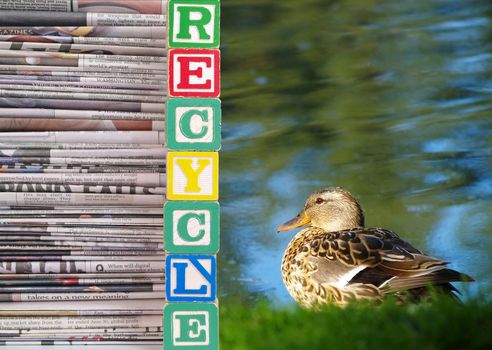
x: 319, y: 200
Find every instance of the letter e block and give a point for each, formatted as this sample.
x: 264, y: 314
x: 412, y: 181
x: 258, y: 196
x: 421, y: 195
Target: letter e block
x: 192, y: 176
x: 194, y: 23
x: 193, y: 124
x: 191, y: 278
x: 194, y: 73
x: 191, y: 227
x: 191, y: 326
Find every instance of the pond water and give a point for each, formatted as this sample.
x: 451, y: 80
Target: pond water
x: 390, y: 100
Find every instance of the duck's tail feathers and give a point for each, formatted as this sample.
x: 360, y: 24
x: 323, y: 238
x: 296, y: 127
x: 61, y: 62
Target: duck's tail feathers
x: 436, y: 278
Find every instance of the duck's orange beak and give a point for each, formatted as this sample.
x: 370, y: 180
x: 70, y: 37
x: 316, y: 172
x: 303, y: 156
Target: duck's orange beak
x: 300, y: 220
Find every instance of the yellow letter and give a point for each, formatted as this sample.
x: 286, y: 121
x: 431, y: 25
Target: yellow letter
x: 192, y: 174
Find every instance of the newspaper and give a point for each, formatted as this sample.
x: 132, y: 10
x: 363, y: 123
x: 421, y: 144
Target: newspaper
x: 108, y: 85
x: 120, y: 32
x: 114, y: 77
x: 86, y: 230
x: 80, y: 266
x: 152, y: 153
x: 54, y: 198
x: 82, y: 104
x: 106, y: 49
x: 28, y: 323
x: 49, y: 169
x: 91, y: 40
x: 45, y: 18
x: 137, y: 179
x: 32, y: 113
x: 105, y: 6
x: 23, y: 124
x: 74, y: 146
x: 154, y: 137
x: 14, y: 210
x: 58, y: 86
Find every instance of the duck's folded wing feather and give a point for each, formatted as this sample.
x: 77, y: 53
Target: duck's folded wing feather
x: 377, y: 257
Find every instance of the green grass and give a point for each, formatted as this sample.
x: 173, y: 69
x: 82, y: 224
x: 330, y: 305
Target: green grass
x: 440, y: 324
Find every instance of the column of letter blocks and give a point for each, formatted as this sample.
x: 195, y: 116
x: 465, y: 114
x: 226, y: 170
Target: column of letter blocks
x: 192, y: 212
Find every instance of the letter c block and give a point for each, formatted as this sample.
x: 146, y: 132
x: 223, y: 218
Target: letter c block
x: 193, y: 124
x: 191, y: 227
x: 192, y: 176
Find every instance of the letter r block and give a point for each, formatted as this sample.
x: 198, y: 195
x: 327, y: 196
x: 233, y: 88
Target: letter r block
x: 194, y: 73
x: 194, y: 23
x: 191, y: 326
x: 191, y: 227
x: 192, y: 176
x: 193, y: 124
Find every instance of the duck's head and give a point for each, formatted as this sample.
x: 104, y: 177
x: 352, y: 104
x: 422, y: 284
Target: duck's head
x: 331, y: 209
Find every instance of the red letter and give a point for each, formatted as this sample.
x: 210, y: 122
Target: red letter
x: 186, y: 72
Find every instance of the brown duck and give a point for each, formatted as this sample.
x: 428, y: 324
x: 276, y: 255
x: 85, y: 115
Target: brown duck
x: 336, y: 259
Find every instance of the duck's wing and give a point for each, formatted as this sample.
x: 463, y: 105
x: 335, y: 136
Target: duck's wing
x: 378, y: 257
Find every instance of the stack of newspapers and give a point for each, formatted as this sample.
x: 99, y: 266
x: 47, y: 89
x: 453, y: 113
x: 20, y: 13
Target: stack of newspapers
x: 82, y: 171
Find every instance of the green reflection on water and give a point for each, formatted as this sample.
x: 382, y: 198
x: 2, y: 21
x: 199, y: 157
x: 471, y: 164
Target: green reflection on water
x: 389, y: 100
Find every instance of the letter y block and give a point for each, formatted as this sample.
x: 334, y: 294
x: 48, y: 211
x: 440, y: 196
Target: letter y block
x: 192, y: 176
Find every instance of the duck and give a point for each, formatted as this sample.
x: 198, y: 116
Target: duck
x: 336, y: 259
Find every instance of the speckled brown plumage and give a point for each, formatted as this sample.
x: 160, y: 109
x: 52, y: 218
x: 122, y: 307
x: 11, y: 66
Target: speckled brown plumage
x: 323, y: 266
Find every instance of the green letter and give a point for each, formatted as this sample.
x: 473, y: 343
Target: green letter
x: 183, y: 227
x: 186, y: 22
x: 193, y: 328
x: 185, y: 123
